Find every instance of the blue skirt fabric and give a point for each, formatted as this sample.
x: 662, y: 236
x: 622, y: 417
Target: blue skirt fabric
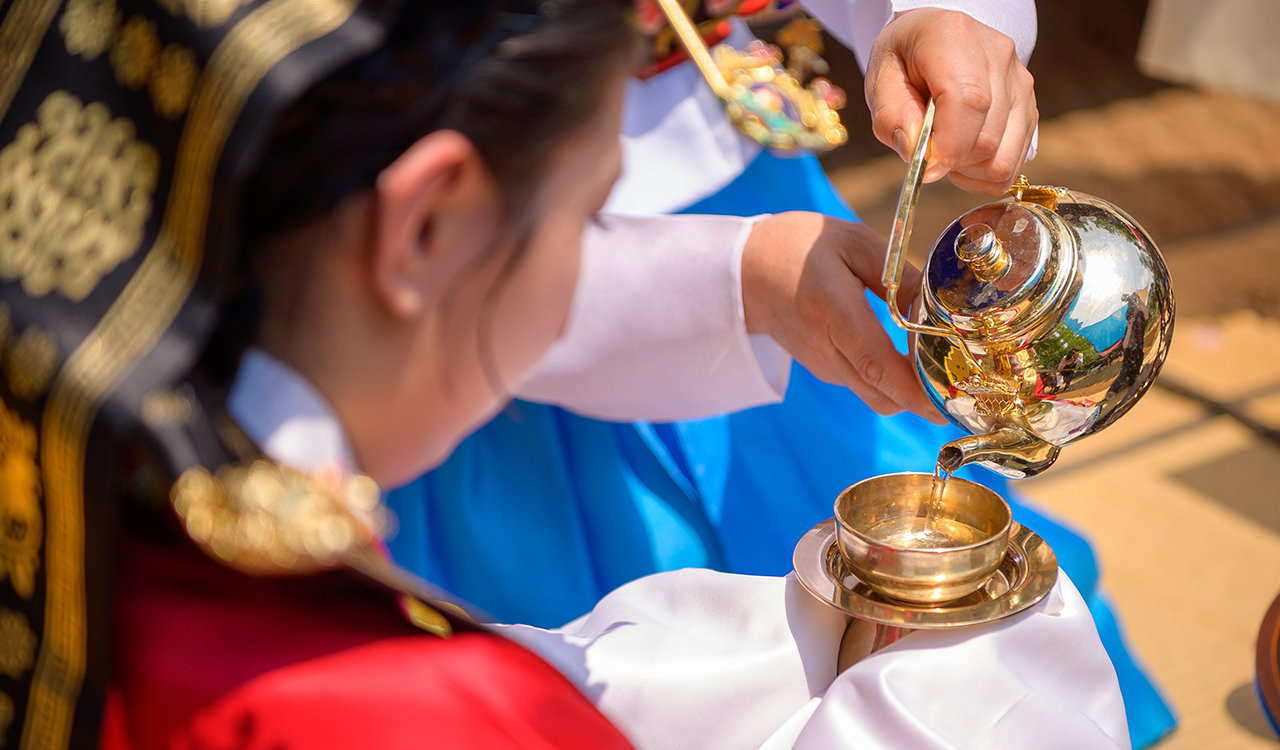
x: 542, y: 512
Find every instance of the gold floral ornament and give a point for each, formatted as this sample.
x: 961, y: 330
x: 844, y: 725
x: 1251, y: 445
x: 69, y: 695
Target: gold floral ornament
x: 766, y: 102
x: 992, y: 397
x: 17, y: 643
x: 769, y: 104
x: 77, y: 186
x: 269, y: 519
x: 173, y: 81
x: 136, y: 52
x: 164, y: 408
x: 31, y: 362
x: 210, y: 13
x: 21, y: 523
x: 204, y: 13
x: 88, y: 26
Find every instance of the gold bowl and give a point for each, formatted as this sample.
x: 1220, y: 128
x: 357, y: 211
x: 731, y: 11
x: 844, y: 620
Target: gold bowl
x: 883, y: 535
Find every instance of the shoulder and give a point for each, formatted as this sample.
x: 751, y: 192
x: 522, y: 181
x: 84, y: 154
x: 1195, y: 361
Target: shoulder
x: 475, y: 689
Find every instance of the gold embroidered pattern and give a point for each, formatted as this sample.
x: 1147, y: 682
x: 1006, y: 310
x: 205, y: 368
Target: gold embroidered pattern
x: 31, y: 363
x: 173, y: 81
x: 136, y: 52
x: 88, y: 26
x: 6, y: 326
x: 20, y: 520
x: 159, y: 286
x: 21, y: 32
x: 425, y: 617
x: 78, y: 189
x: 17, y: 643
x: 267, y: 518
x: 204, y: 13
x: 6, y: 713
x: 164, y: 408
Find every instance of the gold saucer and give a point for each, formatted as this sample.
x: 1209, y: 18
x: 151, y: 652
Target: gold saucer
x: 1026, y: 574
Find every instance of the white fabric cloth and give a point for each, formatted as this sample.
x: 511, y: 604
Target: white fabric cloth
x: 712, y: 661
x: 656, y: 330
x: 678, y: 145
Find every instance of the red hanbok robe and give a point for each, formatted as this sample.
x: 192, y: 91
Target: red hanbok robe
x: 209, y: 658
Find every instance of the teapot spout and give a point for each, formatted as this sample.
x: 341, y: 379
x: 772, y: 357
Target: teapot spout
x: 1011, y: 451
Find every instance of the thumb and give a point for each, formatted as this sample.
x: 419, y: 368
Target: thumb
x: 897, y: 107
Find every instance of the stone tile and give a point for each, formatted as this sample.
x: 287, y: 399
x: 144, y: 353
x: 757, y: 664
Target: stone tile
x: 1191, y: 577
x: 1266, y: 408
x: 1228, y: 357
x: 1154, y: 418
x: 1206, y: 284
x: 1246, y: 481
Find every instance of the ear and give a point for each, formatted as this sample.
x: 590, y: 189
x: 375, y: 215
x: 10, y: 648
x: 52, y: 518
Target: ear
x: 432, y: 206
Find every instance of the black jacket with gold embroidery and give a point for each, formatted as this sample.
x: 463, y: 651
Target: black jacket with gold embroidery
x: 126, y: 128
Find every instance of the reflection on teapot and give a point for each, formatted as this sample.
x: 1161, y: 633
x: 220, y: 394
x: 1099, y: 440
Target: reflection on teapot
x: 1042, y: 318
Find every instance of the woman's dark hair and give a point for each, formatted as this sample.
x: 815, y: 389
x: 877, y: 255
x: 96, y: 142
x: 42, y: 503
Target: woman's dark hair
x: 516, y: 77
x: 516, y: 84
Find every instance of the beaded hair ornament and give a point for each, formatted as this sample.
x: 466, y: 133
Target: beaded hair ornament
x: 765, y: 99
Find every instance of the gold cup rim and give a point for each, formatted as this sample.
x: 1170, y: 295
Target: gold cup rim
x: 1002, y: 532
x: 1031, y: 564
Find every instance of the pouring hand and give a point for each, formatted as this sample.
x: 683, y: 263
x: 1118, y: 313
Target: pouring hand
x: 986, y: 104
x: 803, y: 282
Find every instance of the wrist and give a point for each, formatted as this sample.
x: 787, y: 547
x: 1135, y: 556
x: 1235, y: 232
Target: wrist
x: 755, y: 312
x: 758, y: 271
x: 772, y: 264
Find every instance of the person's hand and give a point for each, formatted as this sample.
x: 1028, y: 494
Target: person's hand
x: 986, y: 105
x: 804, y: 277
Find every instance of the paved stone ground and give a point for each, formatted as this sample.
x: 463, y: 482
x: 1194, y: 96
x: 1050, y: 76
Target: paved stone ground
x: 1182, y: 505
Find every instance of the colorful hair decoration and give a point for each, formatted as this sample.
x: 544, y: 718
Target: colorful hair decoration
x: 764, y: 98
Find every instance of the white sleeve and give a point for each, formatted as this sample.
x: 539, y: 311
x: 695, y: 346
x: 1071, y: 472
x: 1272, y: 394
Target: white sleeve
x: 656, y: 330
x: 714, y: 661
x: 857, y: 23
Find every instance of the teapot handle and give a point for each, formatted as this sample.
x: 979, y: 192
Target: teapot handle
x: 902, y: 221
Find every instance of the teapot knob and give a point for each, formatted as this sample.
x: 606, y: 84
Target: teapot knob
x: 985, y: 255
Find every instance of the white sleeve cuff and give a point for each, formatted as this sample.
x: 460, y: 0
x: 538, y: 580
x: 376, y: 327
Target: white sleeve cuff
x: 774, y: 362
x: 857, y: 23
x: 1015, y: 19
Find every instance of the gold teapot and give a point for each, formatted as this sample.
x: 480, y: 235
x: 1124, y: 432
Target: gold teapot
x: 1041, y: 319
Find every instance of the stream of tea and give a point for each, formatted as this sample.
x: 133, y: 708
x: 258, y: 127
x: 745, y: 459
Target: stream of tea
x: 932, y: 526
x: 926, y: 534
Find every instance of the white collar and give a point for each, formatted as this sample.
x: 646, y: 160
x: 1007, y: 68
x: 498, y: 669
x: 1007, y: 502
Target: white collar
x: 287, y: 417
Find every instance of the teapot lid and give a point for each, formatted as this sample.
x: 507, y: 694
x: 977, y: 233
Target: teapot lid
x: 1002, y: 269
